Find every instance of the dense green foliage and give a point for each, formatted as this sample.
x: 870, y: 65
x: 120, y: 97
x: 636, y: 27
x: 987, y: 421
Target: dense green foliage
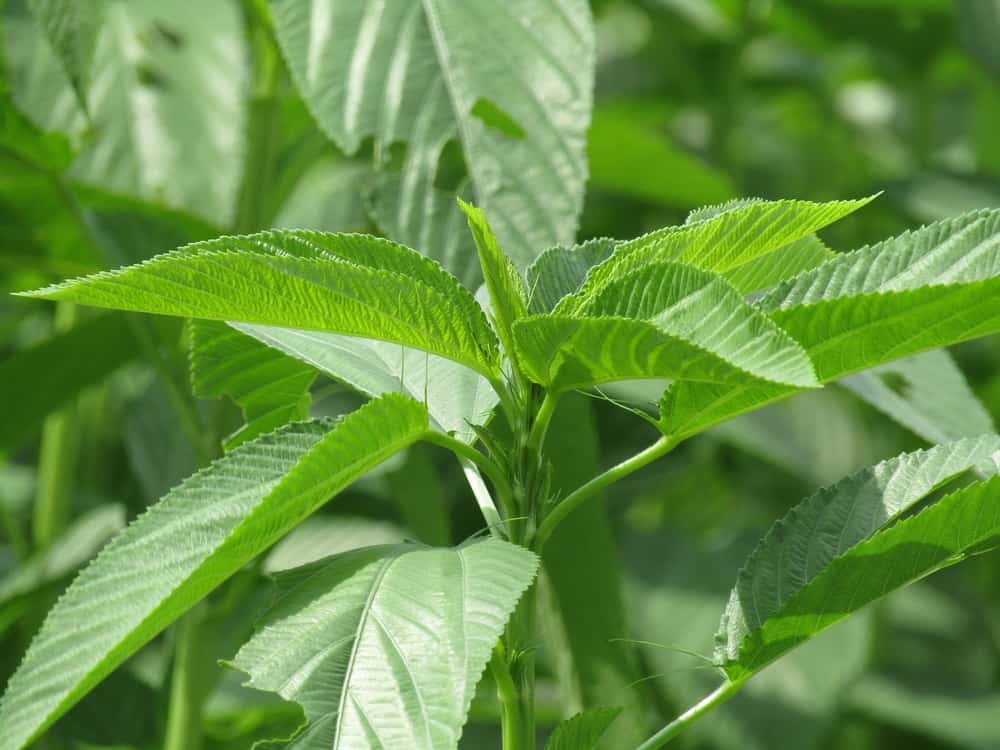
x: 447, y: 393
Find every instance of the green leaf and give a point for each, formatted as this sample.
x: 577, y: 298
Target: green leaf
x: 71, y: 29
x: 666, y: 320
x: 560, y: 271
x: 351, y: 284
x: 845, y: 546
x: 767, y: 270
x: 272, y: 389
x: 168, y: 90
x: 724, y: 242
x: 43, y: 383
x: 75, y: 546
x: 191, y: 541
x: 632, y: 158
x: 383, y: 646
x: 926, y: 393
x: 424, y: 75
x: 921, y: 290
x: 583, y: 731
x: 506, y: 289
x: 454, y: 395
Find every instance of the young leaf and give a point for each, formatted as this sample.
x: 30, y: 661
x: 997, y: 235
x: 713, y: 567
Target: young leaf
x: 424, y: 74
x: 455, y: 396
x: 918, y: 291
x: 666, y: 320
x: 723, y: 242
x: 502, y: 279
x: 271, y: 388
x: 583, y: 731
x: 560, y: 271
x: 784, y: 263
x: 351, y: 284
x: 383, y: 646
x: 183, y: 547
x: 844, y: 547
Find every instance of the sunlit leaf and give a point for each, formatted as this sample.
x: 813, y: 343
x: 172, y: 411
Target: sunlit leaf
x: 383, y: 646
x: 199, y: 535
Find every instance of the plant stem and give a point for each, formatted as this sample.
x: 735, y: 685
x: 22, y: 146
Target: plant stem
x: 57, y: 460
x: 536, y: 438
x: 481, y: 461
x: 187, y: 685
x: 720, y: 695
x: 518, y: 706
x: 576, y: 498
x: 510, y: 707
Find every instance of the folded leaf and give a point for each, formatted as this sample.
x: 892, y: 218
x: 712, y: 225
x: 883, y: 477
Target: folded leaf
x: 560, y: 271
x: 507, y: 299
x: 921, y: 290
x: 583, y: 731
x: 351, y: 284
x: 383, y: 646
x: 666, y: 320
x: 271, y: 388
x: 71, y: 29
x: 187, y: 544
x: 844, y: 547
x: 725, y: 241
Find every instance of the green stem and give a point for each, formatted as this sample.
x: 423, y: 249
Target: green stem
x: 518, y: 707
x: 576, y: 498
x: 717, y: 697
x: 483, y: 462
x: 57, y: 460
x: 187, y: 684
x: 510, y: 704
x: 536, y: 438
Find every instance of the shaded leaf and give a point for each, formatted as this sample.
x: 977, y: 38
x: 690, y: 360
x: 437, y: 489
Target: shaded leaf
x: 43, y: 383
x: 845, y: 546
x: 583, y: 731
x: 271, y: 388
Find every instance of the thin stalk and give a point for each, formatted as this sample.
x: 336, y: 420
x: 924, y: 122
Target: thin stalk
x: 717, y: 697
x: 510, y: 705
x: 518, y: 714
x: 481, y: 460
x: 540, y: 427
x: 187, y: 684
x: 616, y: 473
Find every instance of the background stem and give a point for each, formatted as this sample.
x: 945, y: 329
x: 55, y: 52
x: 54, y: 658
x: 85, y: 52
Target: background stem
x: 187, y: 683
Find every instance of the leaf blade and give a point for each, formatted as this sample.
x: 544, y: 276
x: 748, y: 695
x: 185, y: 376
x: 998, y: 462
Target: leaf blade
x: 383, y: 646
x: 257, y: 493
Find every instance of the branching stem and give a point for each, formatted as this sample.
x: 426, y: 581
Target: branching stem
x: 717, y: 697
x: 616, y: 473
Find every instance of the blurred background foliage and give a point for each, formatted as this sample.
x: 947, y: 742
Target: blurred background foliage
x: 192, y: 129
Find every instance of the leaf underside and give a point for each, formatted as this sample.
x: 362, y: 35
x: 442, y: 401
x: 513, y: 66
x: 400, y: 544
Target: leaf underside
x: 845, y: 546
x: 383, y: 646
x: 187, y: 544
